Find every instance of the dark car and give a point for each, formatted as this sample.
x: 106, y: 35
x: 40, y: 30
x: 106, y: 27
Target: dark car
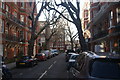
x: 47, y: 53
x: 89, y: 66
x: 67, y: 56
x: 54, y: 52
x: 72, y: 61
x: 26, y: 61
x: 6, y: 74
x: 41, y: 56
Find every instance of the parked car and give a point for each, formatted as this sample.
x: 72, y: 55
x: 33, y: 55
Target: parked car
x: 41, y: 56
x: 72, y: 60
x: 26, y: 61
x: 90, y: 66
x: 68, y: 51
x: 54, y: 52
x: 68, y: 56
x: 6, y: 74
x: 47, y: 53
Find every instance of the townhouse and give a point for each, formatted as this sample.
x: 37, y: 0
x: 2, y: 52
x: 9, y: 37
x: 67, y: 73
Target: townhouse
x: 104, y: 26
x: 16, y: 29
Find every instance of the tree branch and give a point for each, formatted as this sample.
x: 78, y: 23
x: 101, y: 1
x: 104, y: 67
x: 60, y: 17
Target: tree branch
x: 78, y: 10
x: 60, y: 14
x: 75, y: 35
x: 72, y: 7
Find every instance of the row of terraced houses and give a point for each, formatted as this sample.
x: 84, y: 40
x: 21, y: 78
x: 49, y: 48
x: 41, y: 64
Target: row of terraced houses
x: 101, y: 25
x: 15, y: 30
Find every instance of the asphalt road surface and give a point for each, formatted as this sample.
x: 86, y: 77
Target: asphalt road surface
x: 52, y: 68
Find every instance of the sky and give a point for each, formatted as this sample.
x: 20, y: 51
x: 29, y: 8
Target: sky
x: 72, y: 26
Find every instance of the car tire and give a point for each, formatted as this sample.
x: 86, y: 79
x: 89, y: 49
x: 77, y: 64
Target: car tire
x: 31, y: 64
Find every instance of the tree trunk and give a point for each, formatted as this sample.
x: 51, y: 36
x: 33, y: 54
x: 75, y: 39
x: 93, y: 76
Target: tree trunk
x: 72, y: 46
x: 81, y: 38
x: 46, y: 45
x: 31, y: 46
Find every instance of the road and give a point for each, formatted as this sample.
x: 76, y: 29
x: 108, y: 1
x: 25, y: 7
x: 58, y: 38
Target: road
x: 52, y: 68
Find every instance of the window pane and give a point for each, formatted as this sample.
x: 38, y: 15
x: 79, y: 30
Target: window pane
x: 118, y: 15
x: 22, y: 5
x: 3, y: 6
x: 15, y: 14
x: 2, y: 27
x: 7, y: 8
x: 22, y: 18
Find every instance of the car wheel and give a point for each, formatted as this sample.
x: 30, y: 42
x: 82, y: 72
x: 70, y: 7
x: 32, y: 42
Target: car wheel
x: 36, y: 62
x: 31, y: 64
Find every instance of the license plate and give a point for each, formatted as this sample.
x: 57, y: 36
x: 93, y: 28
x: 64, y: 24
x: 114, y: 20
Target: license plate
x: 21, y: 63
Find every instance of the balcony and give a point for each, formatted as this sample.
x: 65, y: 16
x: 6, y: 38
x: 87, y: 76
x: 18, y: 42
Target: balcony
x: 114, y: 30
x: 12, y: 38
x: 101, y: 34
x: 101, y: 14
x: 13, y: 18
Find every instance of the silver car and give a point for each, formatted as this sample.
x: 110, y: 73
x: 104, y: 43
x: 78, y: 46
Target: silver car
x: 90, y: 66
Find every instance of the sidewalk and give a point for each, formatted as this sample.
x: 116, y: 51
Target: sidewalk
x: 11, y: 65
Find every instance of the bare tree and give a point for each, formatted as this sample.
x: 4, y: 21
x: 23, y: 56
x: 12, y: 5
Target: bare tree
x: 72, y: 36
x: 74, y: 12
x: 34, y: 19
x: 53, y: 31
x: 60, y: 32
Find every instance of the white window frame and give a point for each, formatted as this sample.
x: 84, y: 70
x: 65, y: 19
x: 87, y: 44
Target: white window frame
x: 110, y: 20
x: 26, y: 35
x: 15, y: 1
x: 22, y: 17
x: 3, y: 5
x: 22, y: 5
x: 118, y: 14
x: 7, y: 8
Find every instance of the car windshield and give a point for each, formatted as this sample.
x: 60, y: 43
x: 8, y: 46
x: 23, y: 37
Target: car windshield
x: 39, y: 54
x: 69, y: 51
x: 74, y: 56
x: 42, y: 51
x: 25, y: 57
x: 105, y: 69
x: 55, y: 51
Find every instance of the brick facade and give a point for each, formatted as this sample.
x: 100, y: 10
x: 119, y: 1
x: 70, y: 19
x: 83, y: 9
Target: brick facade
x: 15, y: 28
x: 105, y: 26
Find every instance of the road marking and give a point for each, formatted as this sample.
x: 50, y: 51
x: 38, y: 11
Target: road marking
x: 50, y: 66
x: 54, y: 62
x: 21, y: 74
x: 42, y: 75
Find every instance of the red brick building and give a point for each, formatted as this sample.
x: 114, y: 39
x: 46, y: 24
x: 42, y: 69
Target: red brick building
x: 105, y: 26
x: 56, y: 42
x: 15, y: 28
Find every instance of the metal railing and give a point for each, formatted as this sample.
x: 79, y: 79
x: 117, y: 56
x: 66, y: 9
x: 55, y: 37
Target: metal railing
x: 13, y: 18
x: 114, y: 30
x: 12, y: 38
